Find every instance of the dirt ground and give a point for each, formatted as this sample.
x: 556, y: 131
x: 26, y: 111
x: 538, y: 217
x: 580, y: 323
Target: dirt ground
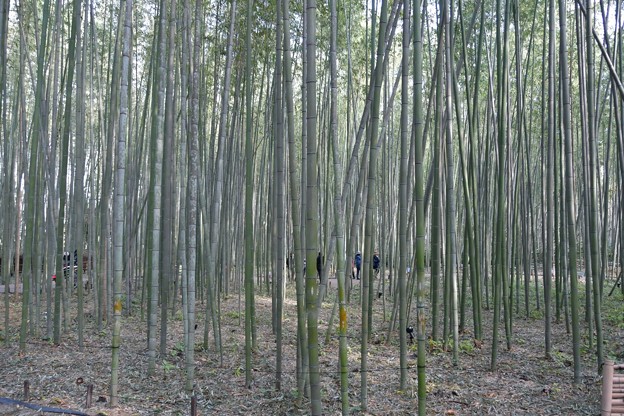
x: 524, y: 383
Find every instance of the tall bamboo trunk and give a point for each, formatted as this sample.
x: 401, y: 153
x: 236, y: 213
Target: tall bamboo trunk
x: 593, y: 183
x: 119, y: 200
x: 570, y: 217
x: 312, y: 209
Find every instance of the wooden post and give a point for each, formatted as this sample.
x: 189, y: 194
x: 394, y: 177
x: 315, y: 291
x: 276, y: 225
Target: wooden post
x: 26, y: 390
x: 89, y: 395
x: 607, y: 390
x: 193, y: 405
x: 617, y: 390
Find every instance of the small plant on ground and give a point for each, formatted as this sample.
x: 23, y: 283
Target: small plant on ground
x: 562, y: 358
x: 232, y: 314
x: 613, y: 307
x: 435, y: 347
x: 167, y: 366
x: 178, y: 349
x: 536, y: 314
x: 466, y: 346
x: 178, y: 316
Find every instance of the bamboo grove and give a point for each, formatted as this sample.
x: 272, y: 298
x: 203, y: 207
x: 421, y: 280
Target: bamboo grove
x: 192, y: 148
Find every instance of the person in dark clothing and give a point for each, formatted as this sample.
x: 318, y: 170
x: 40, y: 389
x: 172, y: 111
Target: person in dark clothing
x: 376, y: 263
x: 358, y: 264
x: 290, y: 265
x: 319, y: 265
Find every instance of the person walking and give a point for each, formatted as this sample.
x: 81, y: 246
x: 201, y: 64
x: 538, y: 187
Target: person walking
x: 358, y: 264
x: 319, y: 265
x: 376, y: 263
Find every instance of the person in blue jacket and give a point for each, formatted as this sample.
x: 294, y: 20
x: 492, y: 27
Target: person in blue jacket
x: 358, y: 264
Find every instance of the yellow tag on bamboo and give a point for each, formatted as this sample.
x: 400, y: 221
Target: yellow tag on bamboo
x: 343, y: 320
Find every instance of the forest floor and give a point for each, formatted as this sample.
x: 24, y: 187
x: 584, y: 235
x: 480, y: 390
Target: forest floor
x: 524, y: 383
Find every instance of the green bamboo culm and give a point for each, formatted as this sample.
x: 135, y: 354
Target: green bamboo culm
x: 403, y: 180
x: 312, y: 209
x: 570, y: 218
x: 295, y: 211
x: 371, y: 206
x: 338, y: 217
x: 38, y: 124
x: 63, y: 173
x: 119, y: 202
x: 420, y: 205
x: 249, y: 179
x: 280, y: 195
x: 593, y: 183
x: 502, y: 24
